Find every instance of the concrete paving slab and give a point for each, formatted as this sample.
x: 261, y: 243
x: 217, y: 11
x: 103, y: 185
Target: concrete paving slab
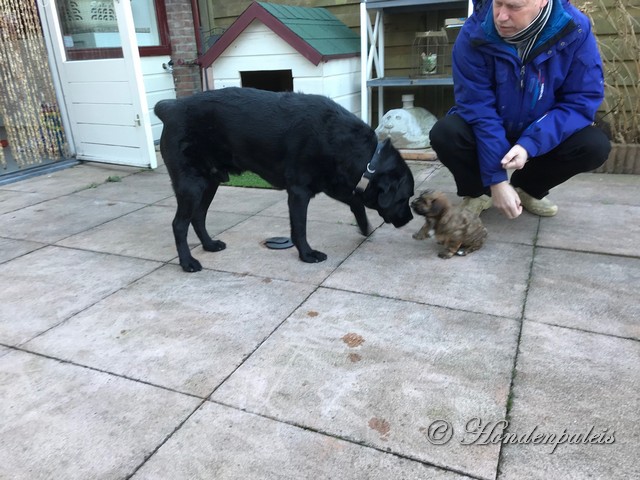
x: 11, y: 200
x: 223, y: 443
x: 246, y: 201
x: 100, y: 310
x: 607, y: 189
x: 584, y: 189
x: 186, y: 332
x: 51, y: 284
x: 51, y: 221
x: 324, y: 209
x: 569, y: 381
x: 523, y: 229
x: 246, y: 253
x: 422, y: 170
x: 70, y: 180
x: 143, y: 187
x: 160, y: 169
x: 598, y: 188
x: 411, y: 270
x: 379, y: 372
x: 439, y: 179
x: 598, y: 293
x: 10, y: 249
x: 64, y: 421
x: 145, y: 233
x: 611, y: 229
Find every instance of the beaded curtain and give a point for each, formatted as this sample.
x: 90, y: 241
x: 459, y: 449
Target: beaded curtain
x: 28, y: 105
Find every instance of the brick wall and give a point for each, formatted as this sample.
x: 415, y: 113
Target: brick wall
x: 182, y: 31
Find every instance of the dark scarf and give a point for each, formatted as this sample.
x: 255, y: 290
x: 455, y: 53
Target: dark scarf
x: 526, y: 38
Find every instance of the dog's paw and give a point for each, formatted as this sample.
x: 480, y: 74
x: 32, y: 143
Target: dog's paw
x: 367, y: 230
x: 313, y: 256
x: 191, y: 265
x: 424, y: 232
x: 214, y: 246
x: 445, y: 254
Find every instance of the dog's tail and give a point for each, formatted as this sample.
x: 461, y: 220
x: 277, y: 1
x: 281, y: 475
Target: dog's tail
x: 164, y: 109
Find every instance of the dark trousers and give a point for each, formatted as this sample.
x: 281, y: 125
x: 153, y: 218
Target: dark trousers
x: 455, y: 144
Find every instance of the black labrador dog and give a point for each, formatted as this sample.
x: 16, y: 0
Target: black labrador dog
x: 303, y: 143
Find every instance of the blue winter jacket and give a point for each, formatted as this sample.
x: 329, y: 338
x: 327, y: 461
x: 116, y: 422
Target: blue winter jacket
x: 538, y: 104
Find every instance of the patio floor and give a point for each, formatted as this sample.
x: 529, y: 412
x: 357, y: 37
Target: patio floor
x: 521, y: 360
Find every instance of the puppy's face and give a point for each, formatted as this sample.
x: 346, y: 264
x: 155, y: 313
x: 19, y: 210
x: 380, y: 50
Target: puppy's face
x: 430, y: 204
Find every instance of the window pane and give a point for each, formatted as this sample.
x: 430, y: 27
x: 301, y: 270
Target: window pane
x: 146, y: 22
x: 89, y: 25
x: 92, y: 25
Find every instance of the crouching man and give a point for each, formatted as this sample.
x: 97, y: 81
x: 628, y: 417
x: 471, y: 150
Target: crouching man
x: 528, y: 80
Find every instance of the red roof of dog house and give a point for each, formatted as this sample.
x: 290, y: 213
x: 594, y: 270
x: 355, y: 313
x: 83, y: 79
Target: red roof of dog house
x: 314, y: 32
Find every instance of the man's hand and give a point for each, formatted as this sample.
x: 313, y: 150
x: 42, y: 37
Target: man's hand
x: 506, y: 199
x: 515, y: 158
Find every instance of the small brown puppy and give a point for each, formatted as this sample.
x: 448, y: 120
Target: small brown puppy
x: 457, y: 229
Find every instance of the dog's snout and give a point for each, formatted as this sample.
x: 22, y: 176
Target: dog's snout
x: 402, y: 221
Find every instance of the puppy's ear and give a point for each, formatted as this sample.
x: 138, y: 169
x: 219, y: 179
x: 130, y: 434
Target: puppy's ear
x: 437, y: 207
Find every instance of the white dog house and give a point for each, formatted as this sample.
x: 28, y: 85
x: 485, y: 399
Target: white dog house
x: 284, y: 48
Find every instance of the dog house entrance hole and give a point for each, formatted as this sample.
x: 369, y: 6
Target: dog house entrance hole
x: 272, y: 80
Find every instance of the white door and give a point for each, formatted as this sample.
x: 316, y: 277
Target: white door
x: 96, y: 57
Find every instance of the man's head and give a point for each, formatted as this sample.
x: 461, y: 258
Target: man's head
x: 512, y: 16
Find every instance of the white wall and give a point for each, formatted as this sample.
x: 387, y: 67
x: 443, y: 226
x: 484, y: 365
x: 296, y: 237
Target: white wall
x: 259, y: 48
x: 341, y: 82
x: 159, y: 85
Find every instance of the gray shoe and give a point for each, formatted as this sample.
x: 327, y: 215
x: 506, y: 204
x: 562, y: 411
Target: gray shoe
x: 542, y: 207
x: 477, y: 205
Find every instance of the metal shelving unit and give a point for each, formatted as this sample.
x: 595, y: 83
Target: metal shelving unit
x: 372, y: 48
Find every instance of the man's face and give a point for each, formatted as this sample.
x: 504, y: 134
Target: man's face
x: 511, y: 16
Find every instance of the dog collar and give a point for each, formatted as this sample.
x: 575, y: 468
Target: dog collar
x: 368, y: 173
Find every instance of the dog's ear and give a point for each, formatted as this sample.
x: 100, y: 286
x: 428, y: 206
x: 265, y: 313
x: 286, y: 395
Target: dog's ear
x: 389, y: 190
x: 437, y: 207
x: 389, y: 157
x: 386, y: 143
x: 385, y: 197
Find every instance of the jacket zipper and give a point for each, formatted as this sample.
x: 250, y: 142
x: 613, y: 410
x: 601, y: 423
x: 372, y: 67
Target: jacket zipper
x: 513, y: 125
